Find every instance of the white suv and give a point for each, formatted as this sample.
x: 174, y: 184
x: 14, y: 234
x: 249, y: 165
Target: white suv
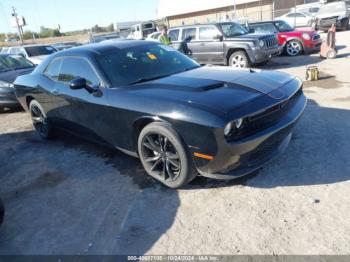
x: 34, y: 53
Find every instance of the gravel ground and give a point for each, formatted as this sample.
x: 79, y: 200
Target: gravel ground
x: 69, y: 196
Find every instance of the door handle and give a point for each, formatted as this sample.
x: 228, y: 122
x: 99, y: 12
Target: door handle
x: 55, y: 91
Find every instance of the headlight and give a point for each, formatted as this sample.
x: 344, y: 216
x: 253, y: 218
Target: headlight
x: 5, y: 84
x: 237, y: 124
x: 261, y: 43
x: 306, y: 36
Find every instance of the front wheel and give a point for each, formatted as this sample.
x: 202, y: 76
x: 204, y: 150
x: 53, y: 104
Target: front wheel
x: 40, y: 121
x: 164, y: 155
x: 294, y: 48
x: 239, y: 59
x: 345, y: 24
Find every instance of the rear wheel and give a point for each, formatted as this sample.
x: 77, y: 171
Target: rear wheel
x: 331, y: 54
x: 164, y: 155
x: 345, y: 24
x: 40, y: 121
x: 239, y: 59
x: 294, y: 48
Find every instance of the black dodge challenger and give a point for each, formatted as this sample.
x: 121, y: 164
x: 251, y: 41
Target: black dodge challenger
x: 152, y: 102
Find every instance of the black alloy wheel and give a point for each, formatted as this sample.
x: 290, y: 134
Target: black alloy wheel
x: 40, y: 121
x: 164, y: 156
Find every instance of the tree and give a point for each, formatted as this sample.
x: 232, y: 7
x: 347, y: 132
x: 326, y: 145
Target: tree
x: 97, y: 29
x: 49, y: 32
x: 30, y: 35
x: 110, y: 28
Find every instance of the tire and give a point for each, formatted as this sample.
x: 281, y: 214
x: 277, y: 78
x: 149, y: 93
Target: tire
x: 345, y: 25
x: 294, y: 48
x: 2, y: 212
x: 239, y: 59
x: 331, y: 54
x: 164, y: 156
x: 40, y: 122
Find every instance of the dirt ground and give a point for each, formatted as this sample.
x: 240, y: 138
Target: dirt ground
x: 69, y: 196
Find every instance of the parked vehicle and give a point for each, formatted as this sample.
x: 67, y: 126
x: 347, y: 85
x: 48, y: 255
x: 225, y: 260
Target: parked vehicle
x: 337, y: 13
x: 65, y: 45
x: 34, y: 53
x: 154, y: 36
x: 298, y: 19
x: 4, y: 50
x: 226, y: 43
x: 2, y: 212
x: 11, y: 67
x: 142, y: 30
x: 311, y: 8
x: 152, y: 102
x: 294, y: 41
x: 100, y: 38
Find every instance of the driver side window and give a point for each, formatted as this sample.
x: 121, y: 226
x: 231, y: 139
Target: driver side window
x: 73, y: 68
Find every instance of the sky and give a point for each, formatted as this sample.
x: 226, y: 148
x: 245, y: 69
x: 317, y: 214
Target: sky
x: 75, y: 14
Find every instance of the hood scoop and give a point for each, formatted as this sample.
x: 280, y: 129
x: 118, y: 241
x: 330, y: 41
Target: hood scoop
x: 213, y: 86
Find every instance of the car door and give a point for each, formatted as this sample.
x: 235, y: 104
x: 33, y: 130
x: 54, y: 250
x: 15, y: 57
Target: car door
x: 301, y: 19
x: 291, y: 19
x: 194, y: 45
x: 210, y: 45
x: 174, y: 35
x: 83, y: 112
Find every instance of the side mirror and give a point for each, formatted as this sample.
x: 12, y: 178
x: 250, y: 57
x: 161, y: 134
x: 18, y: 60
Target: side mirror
x: 78, y: 83
x: 188, y: 39
x: 219, y: 37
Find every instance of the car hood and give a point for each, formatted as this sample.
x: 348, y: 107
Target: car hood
x: 308, y: 30
x: 37, y: 59
x: 248, y: 37
x: 331, y: 14
x: 219, y: 89
x: 10, y: 76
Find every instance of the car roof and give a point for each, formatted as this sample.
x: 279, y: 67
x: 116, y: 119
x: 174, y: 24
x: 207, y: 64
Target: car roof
x: 266, y: 22
x: 31, y: 45
x: 103, y: 47
x: 204, y: 24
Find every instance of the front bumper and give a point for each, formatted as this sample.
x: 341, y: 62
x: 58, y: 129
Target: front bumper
x: 257, y: 56
x: 8, y: 97
x: 326, y: 23
x: 236, y: 159
x: 314, y: 46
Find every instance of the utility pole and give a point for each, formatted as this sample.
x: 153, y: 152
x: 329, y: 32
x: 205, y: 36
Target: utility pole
x: 295, y: 11
x: 14, y: 14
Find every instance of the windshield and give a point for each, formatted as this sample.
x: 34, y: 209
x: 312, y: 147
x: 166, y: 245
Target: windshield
x: 8, y: 63
x: 332, y: 8
x: 284, y: 26
x: 233, y: 29
x: 143, y: 63
x: 39, y: 50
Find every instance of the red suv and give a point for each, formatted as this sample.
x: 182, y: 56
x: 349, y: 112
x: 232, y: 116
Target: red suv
x: 294, y: 41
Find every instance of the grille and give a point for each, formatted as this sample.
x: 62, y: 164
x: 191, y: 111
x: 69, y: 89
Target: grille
x: 328, y: 21
x: 265, y: 119
x: 267, y: 148
x: 270, y: 42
